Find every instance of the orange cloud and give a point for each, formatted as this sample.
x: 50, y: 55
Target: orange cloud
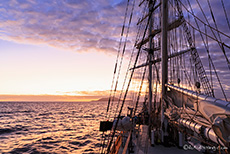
x: 43, y: 98
x: 89, y: 93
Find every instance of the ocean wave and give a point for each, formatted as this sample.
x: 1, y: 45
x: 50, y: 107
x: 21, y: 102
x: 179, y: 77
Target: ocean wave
x: 50, y: 127
x: 6, y: 130
x: 13, y: 112
x: 13, y: 129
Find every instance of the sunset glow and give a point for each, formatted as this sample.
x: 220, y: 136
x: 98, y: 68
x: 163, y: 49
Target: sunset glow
x: 58, y: 48
x: 31, y: 69
x: 36, y: 70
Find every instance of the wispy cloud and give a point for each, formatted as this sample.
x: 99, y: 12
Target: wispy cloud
x: 72, y: 24
x: 99, y: 93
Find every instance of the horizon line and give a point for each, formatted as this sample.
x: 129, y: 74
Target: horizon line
x: 47, y: 97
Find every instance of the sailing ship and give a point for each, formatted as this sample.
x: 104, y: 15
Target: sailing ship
x: 177, y: 78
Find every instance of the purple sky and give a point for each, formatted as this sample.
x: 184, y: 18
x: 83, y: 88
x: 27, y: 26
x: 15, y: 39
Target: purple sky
x: 70, y: 24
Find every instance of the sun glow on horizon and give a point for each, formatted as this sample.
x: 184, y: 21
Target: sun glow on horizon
x: 39, y: 69
x: 47, y: 98
x: 55, y: 49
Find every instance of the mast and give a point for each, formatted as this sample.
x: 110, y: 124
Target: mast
x: 164, y: 55
x: 150, y: 57
x: 164, y: 46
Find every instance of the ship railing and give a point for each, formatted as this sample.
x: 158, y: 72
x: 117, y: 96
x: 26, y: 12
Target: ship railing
x: 127, y: 143
x: 117, y: 145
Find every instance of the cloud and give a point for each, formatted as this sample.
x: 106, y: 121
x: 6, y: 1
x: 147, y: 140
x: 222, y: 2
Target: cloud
x: 88, y: 93
x: 71, y: 24
x: 43, y: 98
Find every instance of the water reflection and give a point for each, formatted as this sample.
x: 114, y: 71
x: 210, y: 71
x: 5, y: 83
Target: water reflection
x: 50, y: 127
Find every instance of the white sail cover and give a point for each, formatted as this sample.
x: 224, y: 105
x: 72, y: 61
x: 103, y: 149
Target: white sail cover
x: 209, y: 111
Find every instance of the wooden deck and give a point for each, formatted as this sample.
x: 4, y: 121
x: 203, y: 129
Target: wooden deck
x: 142, y: 146
x: 159, y: 149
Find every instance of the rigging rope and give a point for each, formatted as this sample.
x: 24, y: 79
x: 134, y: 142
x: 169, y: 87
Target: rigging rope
x: 115, y: 70
x: 220, y: 45
x: 118, y: 53
x: 192, y: 13
x: 130, y: 79
x: 130, y: 19
x: 123, y: 52
x: 140, y: 89
x: 214, y: 68
x: 224, y: 52
x: 127, y: 71
x: 132, y: 54
x: 225, y: 13
x: 195, y: 56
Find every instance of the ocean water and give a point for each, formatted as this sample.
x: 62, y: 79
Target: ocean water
x: 50, y: 127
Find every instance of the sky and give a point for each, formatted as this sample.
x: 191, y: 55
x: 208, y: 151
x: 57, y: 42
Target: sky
x: 67, y: 47
x: 53, y: 47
